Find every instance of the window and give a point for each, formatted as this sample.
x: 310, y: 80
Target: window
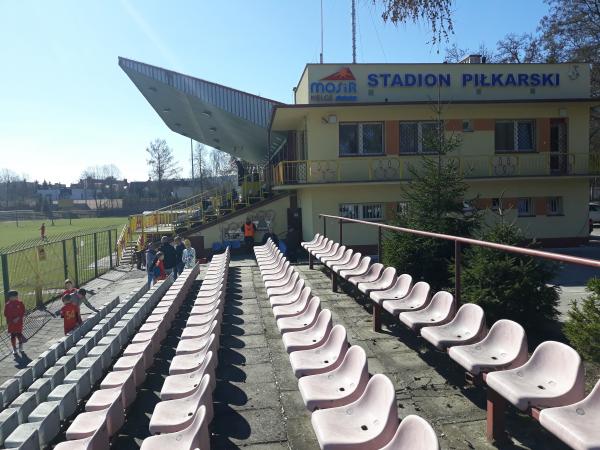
x: 515, y: 135
x: 525, y: 207
x: 418, y: 137
x: 401, y: 208
x: 555, y: 207
x: 362, y: 211
x: 361, y: 138
x: 495, y: 204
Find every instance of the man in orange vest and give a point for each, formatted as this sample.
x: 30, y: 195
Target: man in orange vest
x: 249, y: 229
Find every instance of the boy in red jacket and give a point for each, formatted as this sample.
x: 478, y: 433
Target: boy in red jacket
x: 14, y: 311
x: 70, y: 314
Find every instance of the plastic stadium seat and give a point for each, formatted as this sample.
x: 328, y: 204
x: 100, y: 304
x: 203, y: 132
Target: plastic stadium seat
x: 577, y: 424
x: 414, y: 433
x: 279, y: 274
x: 199, y: 331
x: 178, y: 386
x: 283, y: 281
x: 86, y: 424
x: 368, y: 423
x: 285, y: 289
x: 123, y: 379
x: 98, y: 441
x: 338, y: 255
x: 350, y: 265
x: 311, y: 337
x: 196, y: 435
x: 292, y: 309
x: 416, y: 299
x: 340, y: 386
x: 291, y: 297
x: 360, y: 269
x: 135, y: 363
x: 324, y: 247
x: 323, y: 358
x: 467, y: 326
x: 328, y: 251
x: 399, y: 289
x: 174, y: 415
x: 438, y: 312
x: 311, y: 242
x: 189, y: 346
x: 504, y: 347
x: 344, y: 259
x: 301, y: 321
x: 190, y: 363
x: 372, y: 274
x: 384, y: 281
x: 553, y: 376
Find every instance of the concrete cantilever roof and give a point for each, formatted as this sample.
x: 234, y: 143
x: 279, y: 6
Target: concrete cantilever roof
x: 230, y: 120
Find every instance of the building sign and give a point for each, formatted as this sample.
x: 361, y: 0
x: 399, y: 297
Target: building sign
x: 340, y: 86
x: 465, y: 80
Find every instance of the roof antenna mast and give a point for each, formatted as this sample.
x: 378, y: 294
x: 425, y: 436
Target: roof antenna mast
x: 353, y: 31
x: 321, y: 56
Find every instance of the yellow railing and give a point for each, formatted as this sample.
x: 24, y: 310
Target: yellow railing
x: 400, y: 168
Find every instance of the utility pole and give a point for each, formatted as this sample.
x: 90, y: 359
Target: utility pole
x: 321, y: 56
x: 192, y: 159
x: 353, y: 31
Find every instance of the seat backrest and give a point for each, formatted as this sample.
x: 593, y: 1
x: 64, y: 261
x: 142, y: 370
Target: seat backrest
x: 355, y: 260
x: 203, y: 395
x: 355, y: 362
x: 470, y: 316
x: 403, y: 282
x: 196, y: 434
x: 559, y: 360
x: 420, y: 290
x: 375, y: 269
x: 314, y: 306
x: 379, y: 399
x: 414, y: 433
x: 341, y: 250
x: 337, y: 337
x: 442, y: 302
x: 323, y: 322
x: 511, y: 338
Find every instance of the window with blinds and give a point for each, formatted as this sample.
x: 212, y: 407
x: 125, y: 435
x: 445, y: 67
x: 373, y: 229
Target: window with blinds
x: 515, y: 135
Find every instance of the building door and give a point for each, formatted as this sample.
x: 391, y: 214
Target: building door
x: 559, y: 153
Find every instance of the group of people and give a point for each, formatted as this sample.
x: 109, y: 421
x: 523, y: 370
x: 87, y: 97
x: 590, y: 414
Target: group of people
x: 292, y: 241
x: 14, y: 312
x: 168, y: 257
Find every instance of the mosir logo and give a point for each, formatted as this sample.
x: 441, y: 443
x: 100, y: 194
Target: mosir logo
x: 337, y: 87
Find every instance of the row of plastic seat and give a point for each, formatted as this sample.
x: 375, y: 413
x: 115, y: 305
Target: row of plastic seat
x: 350, y: 410
x: 551, y: 380
x: 55, y: 382
x: 180, y: 420
x: 105, y: 409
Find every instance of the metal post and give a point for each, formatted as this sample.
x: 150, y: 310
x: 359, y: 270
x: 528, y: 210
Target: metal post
x: 95, y: 255
x: 5, y: 279
x: 495, y: 420
x: 110, y: 253
x: 457, y: 264
x: 75, y: 262
x: 65, y: 263
x: 379, y: 252
x: 376, y: 317
x: 324, y: 226
x: 341, y: 227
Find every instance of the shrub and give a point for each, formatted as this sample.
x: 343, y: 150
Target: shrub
x: 583, y: 325
x: 508, y: 285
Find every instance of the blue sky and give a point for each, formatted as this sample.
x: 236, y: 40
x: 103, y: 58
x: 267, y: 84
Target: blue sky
x: 65, y: 103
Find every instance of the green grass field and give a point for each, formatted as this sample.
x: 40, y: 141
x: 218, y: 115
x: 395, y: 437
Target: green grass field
x: 30, y: 229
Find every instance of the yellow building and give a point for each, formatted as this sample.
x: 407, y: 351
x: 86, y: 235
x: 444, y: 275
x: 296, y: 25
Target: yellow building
x: 347, y: 144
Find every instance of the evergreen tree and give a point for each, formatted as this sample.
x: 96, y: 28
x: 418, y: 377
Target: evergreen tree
x: 436, y: 202
x: 507, y: 285
x: 583, y: 326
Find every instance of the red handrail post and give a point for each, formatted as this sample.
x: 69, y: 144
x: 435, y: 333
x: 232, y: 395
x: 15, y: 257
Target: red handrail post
x: 457, y: 264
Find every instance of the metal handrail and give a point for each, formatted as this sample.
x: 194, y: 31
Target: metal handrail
x: 458, y: 242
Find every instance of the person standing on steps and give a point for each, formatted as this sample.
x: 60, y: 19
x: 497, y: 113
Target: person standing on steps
x: 179, y: 248
x: 249, y: 229
x: 170, y: 260
x: 14, y: 312
x: 150, y: 256
x: 189, y: 255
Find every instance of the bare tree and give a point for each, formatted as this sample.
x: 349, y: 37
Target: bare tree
x: 455, y: 54
x: 435, y: 13
x: 520, y: 49
x: 161, y: 163
x: 8, y: 180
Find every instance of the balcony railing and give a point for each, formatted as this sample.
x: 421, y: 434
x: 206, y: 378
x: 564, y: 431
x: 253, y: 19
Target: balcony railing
x: 398, y: 168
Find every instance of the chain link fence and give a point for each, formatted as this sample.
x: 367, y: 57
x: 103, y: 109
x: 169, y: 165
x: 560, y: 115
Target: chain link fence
x: 37, y: 269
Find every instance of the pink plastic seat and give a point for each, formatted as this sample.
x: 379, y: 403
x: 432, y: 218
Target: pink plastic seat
x: 98, y: 441
x: 338, y: 387
x: 123, y: 379
x: 314, y: 240
x: 190, y: 333
x: 183, y: 385
x: 577, y: 425
x: 368, y: 423
x: 414, y: 433
x: 338, y: 255
x: 322, y: 246
x: 417, y: 298
x: 344, y: 259
x: 194, y: 436
x: 301, y: 321
x: 292, y: 309
x: 290, y: 297
x: 174, y: 415
x: 467, y: 326
x: 399, y: 289
x: 143, y: 348
x: 361, y: 269
x: 86, y: 424
x: 438, y: 312
x: 285, y: 289
x: 135, y: 363
x: 189, y: 363
x: 504, y: 347
x: 189, y: 346
x: 279, y: 274
x: 199, y: 320
x: 553, y: 376
x: 310, y: 337
x: 323, y: 358
x: 329, y: 250
x: 372, y: 274
x: 384, y: 281
x: 352, y: 263
x: 282, y: 281
x: 201, y: 310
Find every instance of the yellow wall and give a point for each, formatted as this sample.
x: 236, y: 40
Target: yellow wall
x: 277, y: 210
